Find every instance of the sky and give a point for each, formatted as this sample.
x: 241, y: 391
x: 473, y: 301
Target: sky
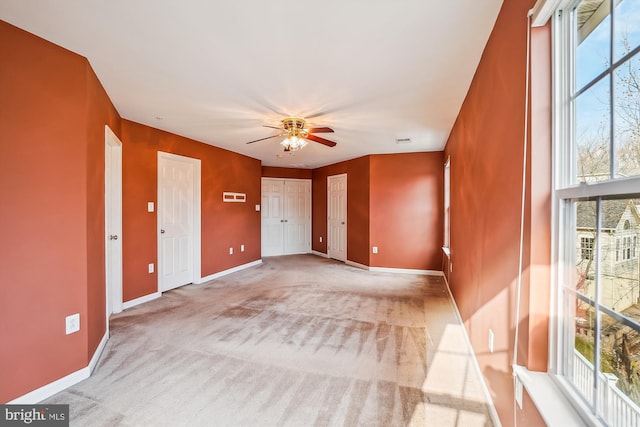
x: 593, y: 56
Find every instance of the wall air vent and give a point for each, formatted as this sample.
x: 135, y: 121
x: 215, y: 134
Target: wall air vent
x: 403, y: 140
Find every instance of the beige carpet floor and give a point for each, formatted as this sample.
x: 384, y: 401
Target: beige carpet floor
x: 296, y: 341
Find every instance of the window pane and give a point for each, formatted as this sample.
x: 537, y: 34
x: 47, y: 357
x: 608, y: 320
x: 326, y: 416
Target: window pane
x: 593, y: 22
x: 627, y: 117
x: 593, y: 133
x: 585, y: 260
x: 581, y: 350
x: 619, y: 380
x: 620, y: 279
x: 626, y: 27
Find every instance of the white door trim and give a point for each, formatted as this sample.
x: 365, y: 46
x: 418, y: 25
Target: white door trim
x: 197, y: 233
x: 113, y: 285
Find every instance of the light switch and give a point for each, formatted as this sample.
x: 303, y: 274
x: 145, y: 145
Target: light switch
x: 150, y: 207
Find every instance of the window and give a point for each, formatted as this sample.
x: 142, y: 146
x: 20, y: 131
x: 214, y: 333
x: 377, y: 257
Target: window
x: 597, y: 182
x: 628, y: 245
x: 447, y: 203
x: 586, y: 248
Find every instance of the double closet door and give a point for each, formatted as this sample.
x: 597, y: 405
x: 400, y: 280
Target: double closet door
x: 286, y: 216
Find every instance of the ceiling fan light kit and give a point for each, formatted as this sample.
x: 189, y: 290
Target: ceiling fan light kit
x: 297, y: 136
x: 295, y: 139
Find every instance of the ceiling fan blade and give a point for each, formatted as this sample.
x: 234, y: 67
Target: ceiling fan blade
x: 320, y: 130
x: 262, y: 139
x: 321, y: 140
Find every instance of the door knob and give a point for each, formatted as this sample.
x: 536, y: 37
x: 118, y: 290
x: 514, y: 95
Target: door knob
x: 161, y: 231
x: 113, y: 237
x: 342, y: 223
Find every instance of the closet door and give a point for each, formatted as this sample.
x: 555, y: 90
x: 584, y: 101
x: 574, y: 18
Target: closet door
x: 272, y: 217
x: 297, y: 217
x: 286, y: 216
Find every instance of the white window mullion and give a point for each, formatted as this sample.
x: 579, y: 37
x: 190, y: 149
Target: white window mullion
x: 597, y: 327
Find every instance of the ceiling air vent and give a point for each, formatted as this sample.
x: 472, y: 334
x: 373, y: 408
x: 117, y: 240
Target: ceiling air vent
x: 403, y: 140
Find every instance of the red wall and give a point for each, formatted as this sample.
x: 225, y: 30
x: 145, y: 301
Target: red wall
x: 486, y: 149
x: 224, y: 225
x: 394, y: 201
x: 52, y: 118
x: 406, y: 205
x: 357, y: 171
x: 276, y: 172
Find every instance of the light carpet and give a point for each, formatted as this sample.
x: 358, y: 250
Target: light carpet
x: 296, y: 341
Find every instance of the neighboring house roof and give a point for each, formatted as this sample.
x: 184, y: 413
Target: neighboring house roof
x: 612, y: 213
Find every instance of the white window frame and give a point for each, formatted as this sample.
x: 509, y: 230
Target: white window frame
x: 446, y: 239
x: 564, y: 191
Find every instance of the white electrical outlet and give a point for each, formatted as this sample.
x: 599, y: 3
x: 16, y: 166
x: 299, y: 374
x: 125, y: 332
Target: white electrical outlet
x: 257, y: 208
x: 230, y: 251
x: 241, y: 248
x: 375, y: 249
x: 490, y: 341
x: 72, y: 323
x: 150, y: 207
x: 151, y: 268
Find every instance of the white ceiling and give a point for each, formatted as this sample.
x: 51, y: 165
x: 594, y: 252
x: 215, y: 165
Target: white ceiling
x: 216, y: 71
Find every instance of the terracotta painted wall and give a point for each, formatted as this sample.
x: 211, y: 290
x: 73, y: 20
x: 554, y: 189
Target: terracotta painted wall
x: 52, y: 118
x: 275, y: 172
x: 224, y: 225
x: 406, y: 210
x: 394, y: 201
x: 486, y: 148
x: 357, y: 171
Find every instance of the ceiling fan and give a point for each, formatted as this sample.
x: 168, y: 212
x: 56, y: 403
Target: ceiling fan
x: 297, y: 135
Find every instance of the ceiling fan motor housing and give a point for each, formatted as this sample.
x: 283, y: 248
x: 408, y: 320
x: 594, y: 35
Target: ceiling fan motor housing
x: 291, y: 123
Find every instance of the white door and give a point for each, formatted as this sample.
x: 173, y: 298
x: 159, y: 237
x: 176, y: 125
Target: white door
x: 176, y: 220
x: 272, y: 217
x: 286, y: 216
x: 297, y: 217
x: 337, y: 217
x: 113, y: 221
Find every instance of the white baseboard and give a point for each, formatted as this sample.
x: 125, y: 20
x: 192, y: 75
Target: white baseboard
x: 141, y: 300
x: 493, y: 413
x: 356, y: 264
x: 46, y: 391
x: 320, y: 254
x: 96, y: 354
x: 407, y: 271
x: 229, y: 271
x: 395, y: 270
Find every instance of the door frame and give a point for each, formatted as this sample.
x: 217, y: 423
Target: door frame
x: 113, y: 286
x: 342, y: 175
x: 196, y: 231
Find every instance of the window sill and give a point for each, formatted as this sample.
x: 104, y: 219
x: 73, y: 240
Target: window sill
x: 550, y: 398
